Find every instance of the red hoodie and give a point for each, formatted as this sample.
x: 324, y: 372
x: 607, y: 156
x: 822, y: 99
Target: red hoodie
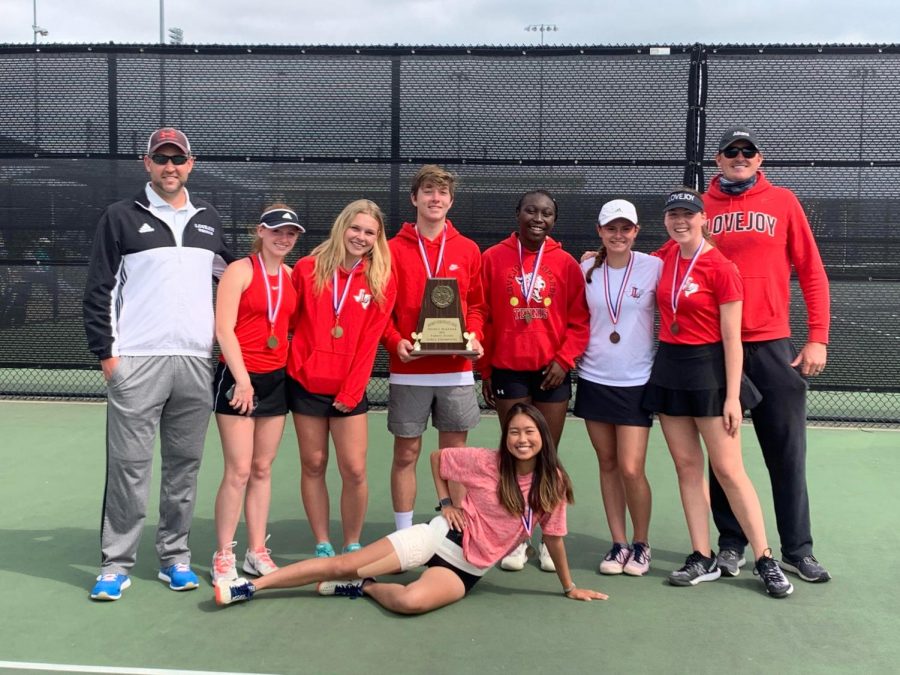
x: 462, y: 261
x: 764, y: 232
x: 323, y: 364
x: 561, y: 325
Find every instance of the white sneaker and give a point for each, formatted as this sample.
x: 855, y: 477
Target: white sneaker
x: 546, y: 561
x: 516, y: 560
x: 259, y: 563
x: 223, y: 564
x: 614, y: 562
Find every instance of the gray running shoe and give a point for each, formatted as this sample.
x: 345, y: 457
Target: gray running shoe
x: 730, y: 562
x: 807, y: 568
x: 696, y: 568
x: 768, y: 570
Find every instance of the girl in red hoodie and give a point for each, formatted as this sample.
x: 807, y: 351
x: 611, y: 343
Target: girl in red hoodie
x: 538, y: 324
x: 345, y: 293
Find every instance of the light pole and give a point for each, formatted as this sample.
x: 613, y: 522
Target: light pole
x: 34, y: 25
x: 162, y: 22
x: 543, y: 28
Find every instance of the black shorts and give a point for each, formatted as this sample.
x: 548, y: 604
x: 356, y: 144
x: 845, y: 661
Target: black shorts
x: 689, y: 381
x: 612, y: 405
x: 469, y: 580
x: 304, y: 402
x: 268, y: 388
x: 514, y: 384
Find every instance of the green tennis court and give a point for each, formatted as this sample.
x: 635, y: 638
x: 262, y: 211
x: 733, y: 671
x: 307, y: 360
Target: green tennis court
x: 50, y: 492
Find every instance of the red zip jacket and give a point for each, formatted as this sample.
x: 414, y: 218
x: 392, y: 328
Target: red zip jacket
x: 323, y: 364
x: 462, y: 261
x: 764, y: 232
x: 560, y: 328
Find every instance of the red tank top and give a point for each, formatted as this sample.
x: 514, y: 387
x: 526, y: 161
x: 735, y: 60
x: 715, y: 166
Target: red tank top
x: 252, y: 327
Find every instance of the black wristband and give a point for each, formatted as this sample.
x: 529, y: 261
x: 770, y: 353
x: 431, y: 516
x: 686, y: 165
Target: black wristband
x: 446, y: 501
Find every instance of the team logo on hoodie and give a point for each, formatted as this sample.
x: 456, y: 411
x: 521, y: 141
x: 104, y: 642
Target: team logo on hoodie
x: 363, y: 298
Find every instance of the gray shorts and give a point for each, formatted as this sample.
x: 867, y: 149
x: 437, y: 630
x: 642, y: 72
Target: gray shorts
x: 453, y: 408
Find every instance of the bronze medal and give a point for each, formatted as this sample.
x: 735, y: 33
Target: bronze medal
x: 527, y: 316
x: 674, y: 328
x: 337, y: 332
x: 272, y: 342
x: 614, y: 337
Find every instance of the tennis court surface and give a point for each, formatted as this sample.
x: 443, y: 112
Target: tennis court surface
x: 50, y: 493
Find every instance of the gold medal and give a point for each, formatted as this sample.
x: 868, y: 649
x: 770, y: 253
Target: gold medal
x: 337, y: 332
x: 272, y: 342
x: 514, y: 301
x: 614, y: 337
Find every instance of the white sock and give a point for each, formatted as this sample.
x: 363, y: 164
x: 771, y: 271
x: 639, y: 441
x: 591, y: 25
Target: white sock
x: 403, y: 519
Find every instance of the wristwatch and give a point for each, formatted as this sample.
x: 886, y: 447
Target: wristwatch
x: 446, y: 501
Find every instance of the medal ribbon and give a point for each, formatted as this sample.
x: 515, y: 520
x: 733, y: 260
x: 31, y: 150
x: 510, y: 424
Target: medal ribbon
x: 534, y: 274
x: 440, y: 260
x: 272, y: 312
x: 614, y: 311
x: 687, y: 274
x: 527, y: 520
x: 339, y: 304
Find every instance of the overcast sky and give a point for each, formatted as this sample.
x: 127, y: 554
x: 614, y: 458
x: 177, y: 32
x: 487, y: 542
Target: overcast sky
x: 459, y: 22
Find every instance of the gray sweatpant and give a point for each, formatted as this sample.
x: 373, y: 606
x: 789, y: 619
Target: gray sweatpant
x: 146, y: 392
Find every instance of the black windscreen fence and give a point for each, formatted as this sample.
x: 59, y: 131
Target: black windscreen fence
x: 318, y: 127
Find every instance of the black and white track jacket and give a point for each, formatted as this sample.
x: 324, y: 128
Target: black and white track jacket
x: 146, y: 293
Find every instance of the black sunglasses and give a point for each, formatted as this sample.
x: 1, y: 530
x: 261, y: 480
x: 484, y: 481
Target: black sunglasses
x: 162, y: 159
x: 748, y: 152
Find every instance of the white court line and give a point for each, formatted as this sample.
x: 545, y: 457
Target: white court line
x: 69, y: 668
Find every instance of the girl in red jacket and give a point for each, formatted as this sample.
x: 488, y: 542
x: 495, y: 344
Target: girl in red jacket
x: 254, y: 303
x: 538, y: 324
x: 344, y: 297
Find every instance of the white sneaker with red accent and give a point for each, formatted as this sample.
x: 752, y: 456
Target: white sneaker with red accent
x: 223, y: 564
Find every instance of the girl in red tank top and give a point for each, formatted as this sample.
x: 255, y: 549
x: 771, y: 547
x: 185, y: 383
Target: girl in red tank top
x: 254, y: 304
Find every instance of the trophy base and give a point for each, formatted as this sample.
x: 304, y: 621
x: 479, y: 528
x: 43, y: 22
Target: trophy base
x: 443, y: 352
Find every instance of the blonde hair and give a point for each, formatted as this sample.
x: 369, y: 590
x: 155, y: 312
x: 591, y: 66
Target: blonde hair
x: 256, y: 244
x: 329, y: 255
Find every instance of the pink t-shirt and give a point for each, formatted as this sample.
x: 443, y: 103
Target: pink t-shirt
x: 491, y: 531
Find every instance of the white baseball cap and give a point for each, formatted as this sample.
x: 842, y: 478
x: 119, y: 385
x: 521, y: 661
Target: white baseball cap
x: 617, y: 208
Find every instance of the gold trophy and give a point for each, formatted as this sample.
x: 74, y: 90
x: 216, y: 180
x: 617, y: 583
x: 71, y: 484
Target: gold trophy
x: 441, y: 328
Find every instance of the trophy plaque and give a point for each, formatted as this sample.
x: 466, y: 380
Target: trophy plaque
x: 441, y: 328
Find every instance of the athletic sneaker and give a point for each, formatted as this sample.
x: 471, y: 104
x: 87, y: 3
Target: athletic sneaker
x: 110, y: 586
x: 614, y: 561
x: 807, y: 568
x: 223, y: 564
x: 768, y: 570
x: 350, y: 548
x: 259, y: 563
x: 516, y: 560
x: 546, y: 561
x: 179, y: 577
x: 639, y: 562
x: 696, y: 568
x: 350, y: 589
x: 324, y: 549
x: 730, y: 562
x: 237, y: 590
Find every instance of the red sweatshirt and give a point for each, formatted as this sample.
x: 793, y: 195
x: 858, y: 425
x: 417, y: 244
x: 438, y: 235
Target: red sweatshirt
x: 323, y: 364
x: 764, y: 231
x: 462, y: 261
x: 560, y: 325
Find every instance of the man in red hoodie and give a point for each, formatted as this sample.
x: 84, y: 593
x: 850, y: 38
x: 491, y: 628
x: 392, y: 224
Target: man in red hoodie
x: 764, y: 231
x: 440, y: 386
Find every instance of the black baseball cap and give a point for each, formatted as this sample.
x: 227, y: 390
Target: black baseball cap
x: 737, y: 134
x: 682, y: 199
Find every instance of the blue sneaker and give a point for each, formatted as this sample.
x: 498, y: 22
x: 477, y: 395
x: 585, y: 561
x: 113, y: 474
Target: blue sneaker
x: 179, y: 577
x: 350, y: 548
x: 110, y: 586
x: 324, y: 550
